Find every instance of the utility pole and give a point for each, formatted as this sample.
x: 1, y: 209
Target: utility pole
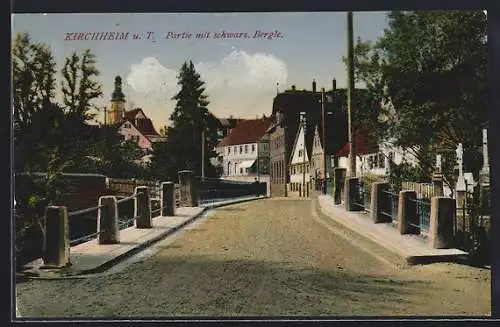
x: 258, y: 163
x: 203, y: 153
x: 323, y: 118
x: 303, y: 122
x: 350, y: 94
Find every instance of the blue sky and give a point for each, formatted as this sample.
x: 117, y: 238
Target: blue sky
x: 240, y: 74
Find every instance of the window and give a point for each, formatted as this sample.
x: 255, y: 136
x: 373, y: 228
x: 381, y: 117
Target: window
x: 241, y: 149
x: 370, y: 162
x: 229, y: 150
x: 235, y: 149
x: 246, y: 148
x: 300, y: 153
x: 253, y: 147
x: 246, y: 170
x: 381, y: 160
x: 241, y: 170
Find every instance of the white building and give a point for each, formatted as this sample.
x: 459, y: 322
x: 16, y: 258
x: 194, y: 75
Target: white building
x: 246, y: 149
x: 299, y: 165
x: 373, y: 158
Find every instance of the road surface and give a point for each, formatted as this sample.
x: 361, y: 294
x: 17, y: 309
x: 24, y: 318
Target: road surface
x: 270, y: 257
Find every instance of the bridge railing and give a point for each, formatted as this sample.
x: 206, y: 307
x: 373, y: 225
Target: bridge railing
x: 212, y: 190
x: 431, y: 218
x: 124, y: 208
x: 114, y: 213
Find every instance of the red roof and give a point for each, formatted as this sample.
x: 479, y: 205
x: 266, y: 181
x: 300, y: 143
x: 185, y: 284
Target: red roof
x: 364, y: 144
x: 143, y: 125
x: 132, y: 113
x: 247, y: 131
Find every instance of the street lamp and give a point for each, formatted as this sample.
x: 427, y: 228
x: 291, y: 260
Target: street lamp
x: 303, y: 123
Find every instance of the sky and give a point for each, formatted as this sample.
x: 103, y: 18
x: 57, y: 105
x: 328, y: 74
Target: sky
x: 242, y: 75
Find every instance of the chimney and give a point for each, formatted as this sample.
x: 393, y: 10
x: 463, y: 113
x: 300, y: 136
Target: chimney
x: 334, y: 84
x: 314, y: 86
x: 293, y: 87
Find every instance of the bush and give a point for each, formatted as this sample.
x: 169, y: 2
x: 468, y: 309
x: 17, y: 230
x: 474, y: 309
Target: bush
x: 369, y: 179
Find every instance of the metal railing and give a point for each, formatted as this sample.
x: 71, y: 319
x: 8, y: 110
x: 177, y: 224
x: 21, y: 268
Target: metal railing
x: 392, y: 201
x: 212, y: 190
x: 363, y: 199
x: 423, y: 215
x: 125, y: 215
x: 83, y: 224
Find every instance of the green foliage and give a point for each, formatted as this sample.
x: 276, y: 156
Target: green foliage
x: 189, y: 118
x: 78, y: 85
x: 404, y: 172
x: 33, y: 78
x: 432, y: 67
x: 369, y: 179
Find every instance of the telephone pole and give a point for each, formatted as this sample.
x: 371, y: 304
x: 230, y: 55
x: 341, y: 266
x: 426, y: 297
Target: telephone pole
x: 350, y: 94
x: 203, y: 153
x: 323, y: 117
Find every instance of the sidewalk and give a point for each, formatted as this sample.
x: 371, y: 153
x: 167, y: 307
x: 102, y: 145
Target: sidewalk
x: 413, y: 248
x: 91, y: 257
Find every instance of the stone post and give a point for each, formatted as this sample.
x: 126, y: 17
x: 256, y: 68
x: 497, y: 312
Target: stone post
x: 443, y: 211
x: 189, y: 192
x: 339, y: 176
x: 107, y: 221
x: 437, y: 182
x: 142, y: 208
x: 351, y: 194
x: 56, y: 240
x: 407, y: 212
x: 484, y: 178
x: 461, y: 186
x: 167, y: 197
x: 380, y: 202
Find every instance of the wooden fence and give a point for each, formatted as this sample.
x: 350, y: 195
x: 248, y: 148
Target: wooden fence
x: 126, y: 187
x: 423, y: 190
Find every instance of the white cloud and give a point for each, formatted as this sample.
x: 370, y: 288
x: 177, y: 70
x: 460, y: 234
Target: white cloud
x: 152, y: 79
x: 240, y: 84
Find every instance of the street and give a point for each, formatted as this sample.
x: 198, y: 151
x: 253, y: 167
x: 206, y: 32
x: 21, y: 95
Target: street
x: 264, y: 258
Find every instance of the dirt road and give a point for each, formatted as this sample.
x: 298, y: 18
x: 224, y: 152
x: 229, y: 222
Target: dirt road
x: 267, y: 257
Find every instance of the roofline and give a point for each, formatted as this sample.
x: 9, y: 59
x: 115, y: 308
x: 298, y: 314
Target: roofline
x: 295, y: 144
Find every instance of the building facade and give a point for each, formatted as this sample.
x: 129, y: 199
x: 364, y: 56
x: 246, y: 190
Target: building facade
x: 299, y: 167
x: 287, y: 108
x: 133, y: 124
x: 245, y: 150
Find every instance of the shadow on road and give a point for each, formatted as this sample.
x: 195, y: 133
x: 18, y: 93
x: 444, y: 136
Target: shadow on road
x: 166, y: 286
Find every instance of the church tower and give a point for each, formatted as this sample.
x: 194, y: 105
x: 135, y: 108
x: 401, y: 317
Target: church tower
x: 117, y: 107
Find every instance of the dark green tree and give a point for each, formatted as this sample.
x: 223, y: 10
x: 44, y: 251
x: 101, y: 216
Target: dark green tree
x: 432, y: 67
x: 33, y: 78
x: 182, y: 148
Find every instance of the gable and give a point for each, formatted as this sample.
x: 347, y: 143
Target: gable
x: 140, y: 115
x: 299, y: 145
x: 317, y: 148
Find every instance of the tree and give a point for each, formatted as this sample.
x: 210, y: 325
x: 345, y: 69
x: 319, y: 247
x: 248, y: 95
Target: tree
x: 78, y: 85
x: 432, y: 67
x: 189, y: 118
x: 33, y: 78
x: 79, y: 89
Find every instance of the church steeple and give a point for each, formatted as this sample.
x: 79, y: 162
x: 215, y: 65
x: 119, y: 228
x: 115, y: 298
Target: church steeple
x: 117, y: 94
x: 117, y: 108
